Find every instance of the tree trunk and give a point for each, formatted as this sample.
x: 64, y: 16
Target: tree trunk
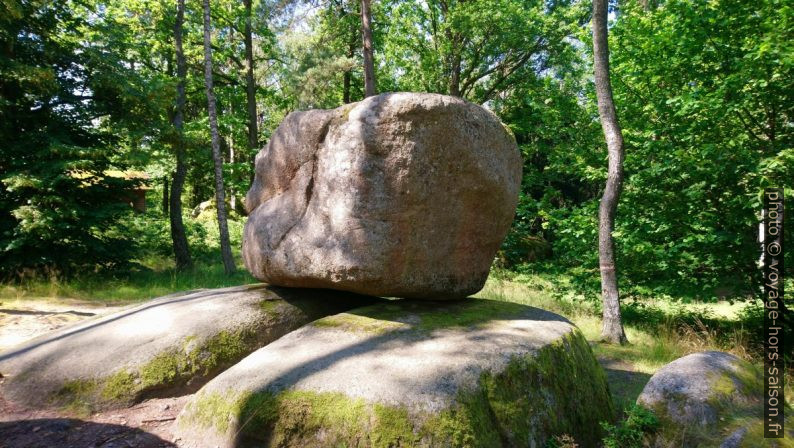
x: 454, y: 64
x: 612, y: 330
x: 181, y: 249
x: 232, y: 174
x: 250, y: 89
x: 454, y: 79
x: 346, y: 87
x: 369, y: 64
x: 220, y: 197
x: 165, y: 196
x: 348, y: 76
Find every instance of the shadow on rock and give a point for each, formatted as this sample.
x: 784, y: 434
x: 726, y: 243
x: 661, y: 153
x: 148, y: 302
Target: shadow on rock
x: 74, y: 433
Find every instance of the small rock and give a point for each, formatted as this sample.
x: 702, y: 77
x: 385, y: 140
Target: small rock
x: 735, y: 439
x: 699, y: 396
x: 687, y: 388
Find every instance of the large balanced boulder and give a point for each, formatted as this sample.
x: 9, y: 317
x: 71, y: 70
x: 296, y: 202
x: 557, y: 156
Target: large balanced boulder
x: 399, y: 195
x: 707, y: 399
x: 167, y: 346
x: 409, y: 373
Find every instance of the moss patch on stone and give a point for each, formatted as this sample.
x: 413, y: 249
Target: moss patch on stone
x: 216, y: 410
x: 168, y: 370
x: 358, y: 323
x: 423, y: 316
x: 72, y: 397
x: 755, y: 432
x: 119, y: 387
x: 271, y: 306
x: 552, y: 386
x: 535, y: 398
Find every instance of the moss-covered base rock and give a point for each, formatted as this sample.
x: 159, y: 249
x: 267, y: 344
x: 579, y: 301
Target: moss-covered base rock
x: 473, y: 373
x: 710, y: 399
x: 167, y: 346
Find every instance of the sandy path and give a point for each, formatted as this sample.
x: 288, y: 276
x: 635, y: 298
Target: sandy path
x: 23, y: 320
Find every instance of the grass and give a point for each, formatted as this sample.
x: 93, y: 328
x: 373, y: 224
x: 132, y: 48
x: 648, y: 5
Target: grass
x: 135, y: 287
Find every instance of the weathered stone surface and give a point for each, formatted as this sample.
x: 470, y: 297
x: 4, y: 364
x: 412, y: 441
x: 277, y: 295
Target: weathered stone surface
x: 169, y: 345
x: 707, y: 399
x: 689, y: 389
x: 409, y: 373
x: 403, y: 194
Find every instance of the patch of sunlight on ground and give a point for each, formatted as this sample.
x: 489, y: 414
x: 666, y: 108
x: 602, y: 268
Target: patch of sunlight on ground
x: 721, y: 310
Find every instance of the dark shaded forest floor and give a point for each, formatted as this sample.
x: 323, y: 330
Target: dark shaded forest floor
x: 145, y: 425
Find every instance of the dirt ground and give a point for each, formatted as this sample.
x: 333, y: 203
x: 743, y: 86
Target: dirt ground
x: 145, y: 425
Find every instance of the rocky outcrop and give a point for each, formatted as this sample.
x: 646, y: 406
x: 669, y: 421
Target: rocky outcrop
x: 409, y: 373
x: 707, y: 399
x: 167, y: 346
x: 404, y: 195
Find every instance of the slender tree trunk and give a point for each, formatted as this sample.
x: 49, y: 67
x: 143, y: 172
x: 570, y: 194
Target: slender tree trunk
x: 346, y: 87
x: 351, y: 51
x: 454, y: 62
x: 454, y: 79
x: 250, y: 89
x: 347, y: 77
x: 612, y: 330
x: 220, y: 196
x: 370, y: 88
x: 181, y: 249
x: 227, y: 156
x: 227, y: 148
x: 165, y: 196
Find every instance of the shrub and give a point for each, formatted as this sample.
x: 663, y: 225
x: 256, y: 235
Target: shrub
x: 631, y: 432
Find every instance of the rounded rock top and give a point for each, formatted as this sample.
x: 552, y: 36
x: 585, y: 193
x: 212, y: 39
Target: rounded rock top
x: 400, y: 195
x: 409, y: 373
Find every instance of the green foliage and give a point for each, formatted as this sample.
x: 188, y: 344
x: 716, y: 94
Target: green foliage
x: 631, y: 432
x: 494, y: 45
x: 61, y: 208
x: 703, y: 93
